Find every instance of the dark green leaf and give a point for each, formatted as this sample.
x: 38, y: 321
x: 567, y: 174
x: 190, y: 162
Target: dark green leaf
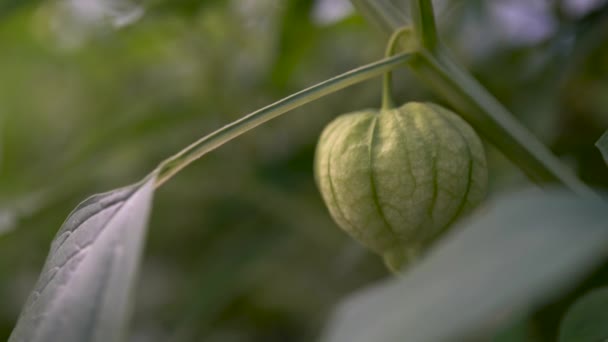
x: 587, y: 319
x: 84, y: 289
x: 507, y: 259
x: 7, y: 7
x: 602, y: 145
x: 297, y: 37
x: 521, y: 330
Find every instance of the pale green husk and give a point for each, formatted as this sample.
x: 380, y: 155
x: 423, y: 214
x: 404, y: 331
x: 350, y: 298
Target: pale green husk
x: 395, y: 179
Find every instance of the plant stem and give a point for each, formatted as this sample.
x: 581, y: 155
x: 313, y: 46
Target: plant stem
x: 433, y: 64
x: 493, y: 121
x: 391, y: 47
x: 176, y: 163
x: 424, y: 23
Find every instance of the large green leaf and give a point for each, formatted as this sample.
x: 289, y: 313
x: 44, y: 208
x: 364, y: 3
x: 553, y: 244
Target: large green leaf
x: 84, y: 290
x: 510, y: 257
x: 587, y: 320
x: 602, y: 145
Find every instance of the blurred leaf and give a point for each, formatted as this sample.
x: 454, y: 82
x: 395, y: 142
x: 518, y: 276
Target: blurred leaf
x: 602, y: 145
x: 384, y: 14
x: 521, y: 330
x: 84, y: 289
x: 296, y: 39
x: 1, y: 143
x: 505, y: 260
x: 587, y: 320
x: 9, y: 6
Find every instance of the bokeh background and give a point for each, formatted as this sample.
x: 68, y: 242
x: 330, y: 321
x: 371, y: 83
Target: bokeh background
x: 95, y: 93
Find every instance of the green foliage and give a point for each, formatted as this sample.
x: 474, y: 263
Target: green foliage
x: 240, y: 246
x: 587, y: 319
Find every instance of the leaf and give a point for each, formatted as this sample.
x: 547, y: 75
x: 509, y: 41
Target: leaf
x: 384, y: 14
x: 587, y: 319
x: 297, y: 35
x: 602, y: 145
x: 84, y: 290
x: 521, y: 330
x: 507, y: 259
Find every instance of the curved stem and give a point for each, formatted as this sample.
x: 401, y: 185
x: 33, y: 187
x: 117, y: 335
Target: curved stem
x: 176, y: 163
x: 387, y: 79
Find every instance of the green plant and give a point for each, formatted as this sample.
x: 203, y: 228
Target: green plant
x: 586, y: 319
x: 84, y: 289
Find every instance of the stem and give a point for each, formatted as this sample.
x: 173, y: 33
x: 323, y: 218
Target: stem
x: 424, y: 23
x: 473, y: 102
x: 493, y: 121
x: 391, y: 47
x: 176, y: 163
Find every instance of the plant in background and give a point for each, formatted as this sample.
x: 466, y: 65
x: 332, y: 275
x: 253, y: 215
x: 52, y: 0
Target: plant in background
x: 496, y: 266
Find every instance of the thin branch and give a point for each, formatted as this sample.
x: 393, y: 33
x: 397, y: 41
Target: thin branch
x: 174, y: 164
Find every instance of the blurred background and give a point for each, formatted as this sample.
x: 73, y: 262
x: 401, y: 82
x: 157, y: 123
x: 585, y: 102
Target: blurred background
x: 95, y: 93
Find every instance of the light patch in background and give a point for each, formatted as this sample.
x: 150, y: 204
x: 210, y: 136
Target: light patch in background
x: 578, y: 8
x: 8, y: 220
x: 259, y: 15
x: 523, y: 21
x: 118, y: 12
x: 327, y: 12
x: 69, y: 24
